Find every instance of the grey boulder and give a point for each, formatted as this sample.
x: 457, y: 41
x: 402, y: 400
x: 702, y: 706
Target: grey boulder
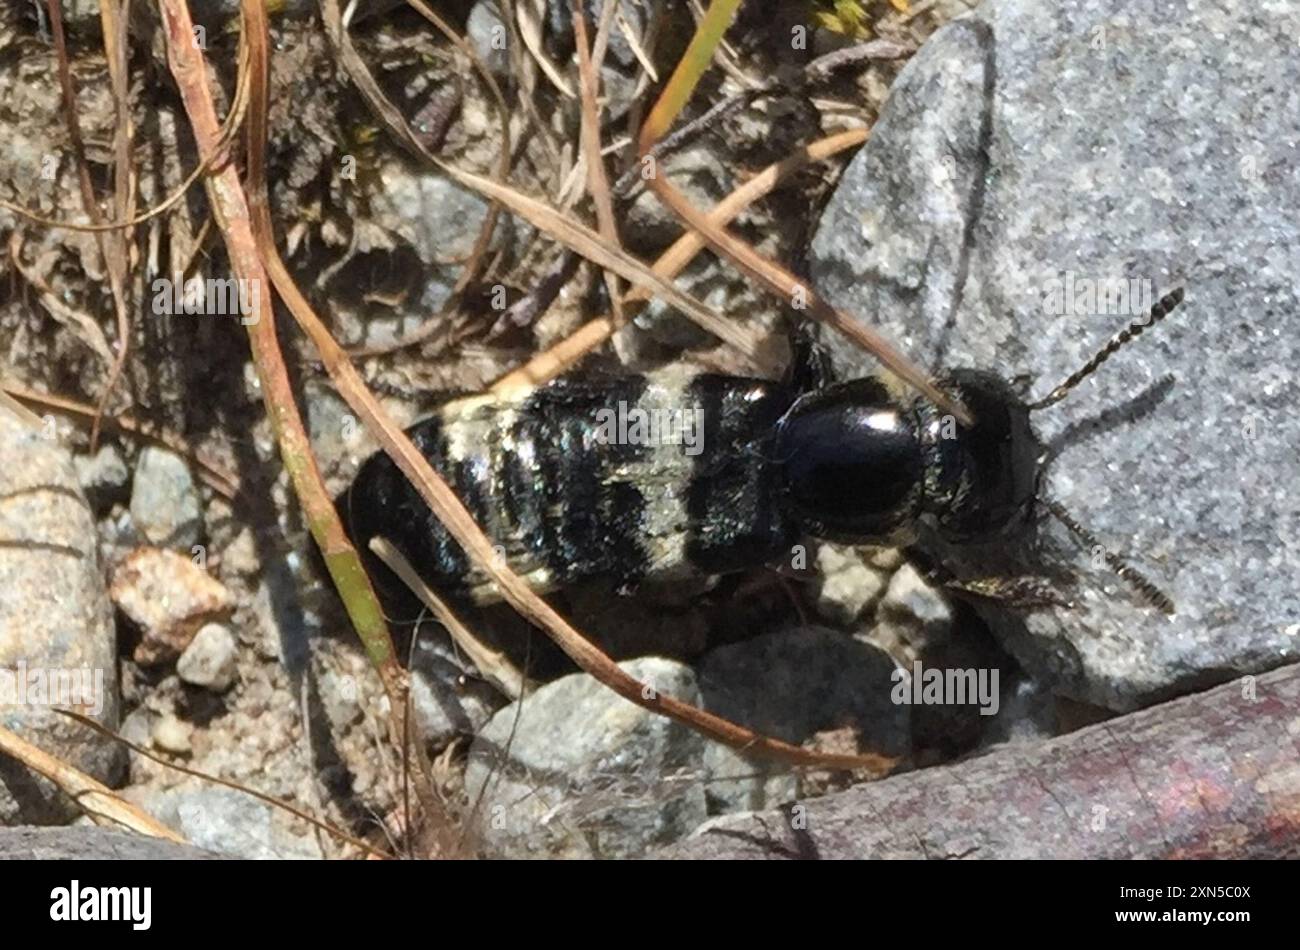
x: 58, y: 647
x: 1039, y: 173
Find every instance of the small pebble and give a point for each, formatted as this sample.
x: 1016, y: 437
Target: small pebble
x: 209, y: 660
x: 849, y: 587
x: 164, y: 502
x: 909, y: 594
x: 172, y: 735
x: 169, y: 598
x: 103, y: 477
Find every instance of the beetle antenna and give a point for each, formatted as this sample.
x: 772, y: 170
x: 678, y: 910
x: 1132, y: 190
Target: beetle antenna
x: 1163, y: 307
x: 1145, y: 587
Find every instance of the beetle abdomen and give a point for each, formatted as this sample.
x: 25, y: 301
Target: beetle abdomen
x: 636, y: 478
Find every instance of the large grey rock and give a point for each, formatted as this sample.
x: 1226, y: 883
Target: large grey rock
x: 90, y: 844
x: 57, y: 642
x: 226, y: 822
x: 581, y: 772
x: 793, y: 684
x: 1109, y: 140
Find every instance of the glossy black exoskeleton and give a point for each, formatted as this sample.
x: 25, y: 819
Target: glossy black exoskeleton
x: 857, y: 461
x: 920, y: 463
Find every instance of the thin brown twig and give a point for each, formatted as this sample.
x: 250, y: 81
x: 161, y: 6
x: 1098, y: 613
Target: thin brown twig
x: 110, y: 244
x: 245, y: 220
x: 92, y: 796
x: 228, y: 129
x: 795, y: 293
x: 237, y: 225
x: 597, y: 180
x: 547, y: 365
x: 213, y: 475
x: 494, y: 665
x: 119, y: 243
